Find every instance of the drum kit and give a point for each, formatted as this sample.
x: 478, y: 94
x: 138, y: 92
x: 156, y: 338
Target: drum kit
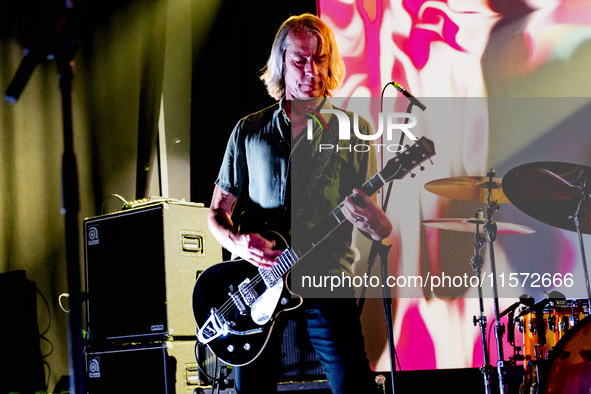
x: 556, y: 331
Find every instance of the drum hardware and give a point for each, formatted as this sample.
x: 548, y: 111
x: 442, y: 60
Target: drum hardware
x: 524, y: 299
x: 467, y: 225
x: 544, y: 327
x: 573, y: 320
x: 532, y: 326
x: 568, y: 368
x: 490, y: 230
x: 541, y: 351
x: 552, y: 323
x: 485, y: 190
x: 540, y: 348
x: 558, y: 194
x: 477, y: 263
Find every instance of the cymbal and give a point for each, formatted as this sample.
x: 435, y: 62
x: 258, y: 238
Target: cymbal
x: 551, y: 192
x: 469, y: 225
x: 468, y: 188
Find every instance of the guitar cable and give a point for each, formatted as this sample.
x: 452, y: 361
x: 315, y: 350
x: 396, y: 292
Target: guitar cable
x: 202, y: 369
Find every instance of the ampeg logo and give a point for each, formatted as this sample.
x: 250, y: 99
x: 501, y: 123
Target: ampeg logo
x: 93, y: 235
x: 387, y: 124
x: 94, y: 367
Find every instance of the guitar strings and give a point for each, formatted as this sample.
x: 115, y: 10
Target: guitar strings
x: 284, y: 263
x: 230, y: 305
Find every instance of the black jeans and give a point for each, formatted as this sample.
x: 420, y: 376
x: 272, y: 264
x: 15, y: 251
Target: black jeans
x: 335, y: 332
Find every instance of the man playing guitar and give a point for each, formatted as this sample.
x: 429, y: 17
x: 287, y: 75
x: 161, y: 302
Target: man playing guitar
x: 304, y: 67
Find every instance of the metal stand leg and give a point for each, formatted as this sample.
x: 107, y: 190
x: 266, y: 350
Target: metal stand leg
x: 490, y: 229
x: 584, y: 261
x: 477, y: 263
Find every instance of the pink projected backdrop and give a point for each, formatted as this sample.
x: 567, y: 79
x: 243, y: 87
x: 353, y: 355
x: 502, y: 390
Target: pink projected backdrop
x: 465, y: 50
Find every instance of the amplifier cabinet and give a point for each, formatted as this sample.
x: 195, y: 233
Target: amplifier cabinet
x: 140, y: 267
x: 158, y: 368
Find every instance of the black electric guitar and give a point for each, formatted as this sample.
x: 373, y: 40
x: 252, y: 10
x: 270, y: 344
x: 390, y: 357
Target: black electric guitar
x: 235, y: 303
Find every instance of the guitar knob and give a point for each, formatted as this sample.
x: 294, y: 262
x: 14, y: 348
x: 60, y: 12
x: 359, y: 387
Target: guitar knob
x: 246, y: 346
x: 230, y: 348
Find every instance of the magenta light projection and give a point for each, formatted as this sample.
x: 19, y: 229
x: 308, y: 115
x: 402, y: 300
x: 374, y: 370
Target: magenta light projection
x: 456, y: 55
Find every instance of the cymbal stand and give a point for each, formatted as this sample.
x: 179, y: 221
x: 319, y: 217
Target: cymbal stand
x: 577, y: 220
x: 477, y: 263
x: 490, y: 229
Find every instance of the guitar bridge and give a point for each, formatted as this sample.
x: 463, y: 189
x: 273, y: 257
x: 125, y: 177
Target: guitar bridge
x: 247, y: 291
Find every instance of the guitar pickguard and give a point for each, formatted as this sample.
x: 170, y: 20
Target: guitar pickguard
x: 262, y: 309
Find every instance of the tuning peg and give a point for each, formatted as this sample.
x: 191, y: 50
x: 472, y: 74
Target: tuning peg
x: 421, y: 167
x: 412, y: 174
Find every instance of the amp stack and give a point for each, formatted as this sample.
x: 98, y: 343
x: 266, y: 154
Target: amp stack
x: 141, y: 266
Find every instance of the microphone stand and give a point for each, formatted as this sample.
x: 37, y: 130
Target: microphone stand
x: 72, y: 208
x: 63, y: 47
x: 379, y: 249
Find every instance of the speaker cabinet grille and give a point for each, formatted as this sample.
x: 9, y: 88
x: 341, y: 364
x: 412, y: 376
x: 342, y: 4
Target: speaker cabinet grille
x: 141, y: 267
x: 21, y: 364
x: 159, y: 368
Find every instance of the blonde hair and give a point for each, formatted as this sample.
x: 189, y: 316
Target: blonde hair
x: 274, y: 70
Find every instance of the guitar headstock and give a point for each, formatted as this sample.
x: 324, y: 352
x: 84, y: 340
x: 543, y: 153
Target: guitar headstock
x: 404, y: 162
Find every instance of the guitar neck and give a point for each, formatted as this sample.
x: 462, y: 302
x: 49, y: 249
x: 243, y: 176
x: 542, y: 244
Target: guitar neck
x: 396, y: 168
x: 335, y: 218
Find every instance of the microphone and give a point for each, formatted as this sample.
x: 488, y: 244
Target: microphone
x: 28, y: 64
x: 524, y: 299
x: 553, y: 296
x: 408, y: 94
x: 43, y: 40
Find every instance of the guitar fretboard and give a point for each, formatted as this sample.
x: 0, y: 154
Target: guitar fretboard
x: 396, y: 168
x: 290, y: 257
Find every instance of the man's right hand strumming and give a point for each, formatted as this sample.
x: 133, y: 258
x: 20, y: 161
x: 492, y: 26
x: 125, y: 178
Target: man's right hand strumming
x: 252, y: 247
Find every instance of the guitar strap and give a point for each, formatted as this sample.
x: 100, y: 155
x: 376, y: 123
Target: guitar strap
x: 313, y: 179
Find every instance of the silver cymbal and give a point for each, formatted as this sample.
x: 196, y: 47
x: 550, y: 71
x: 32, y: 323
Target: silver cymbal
x: 469, y: 225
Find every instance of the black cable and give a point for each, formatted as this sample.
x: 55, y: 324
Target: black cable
x: 48, y: 312
x: 400, y: 369
x: 51, y: 347
x: 216, y: 385
x: 214, y: 379
x: 45, y: 363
